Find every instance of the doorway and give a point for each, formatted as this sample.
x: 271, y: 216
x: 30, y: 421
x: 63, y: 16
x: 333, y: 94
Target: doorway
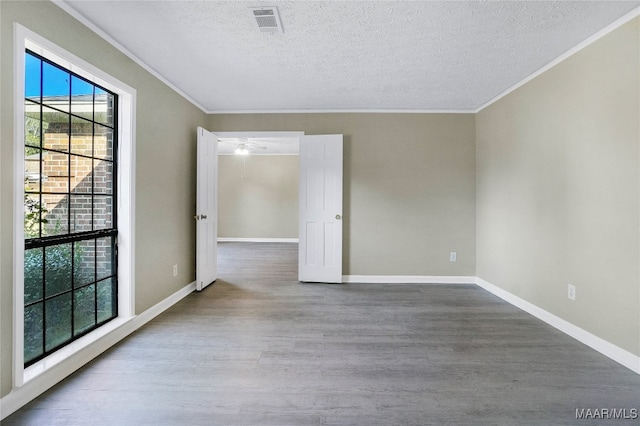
x: 258, y: 176
x: 320, y: 187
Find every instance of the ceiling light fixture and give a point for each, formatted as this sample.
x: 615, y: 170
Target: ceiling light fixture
x: 242, y: 151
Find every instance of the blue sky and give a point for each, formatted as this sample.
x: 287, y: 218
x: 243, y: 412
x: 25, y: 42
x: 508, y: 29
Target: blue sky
x: 55, y: 82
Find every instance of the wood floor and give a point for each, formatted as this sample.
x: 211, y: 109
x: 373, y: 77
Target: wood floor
x: 259, y: 348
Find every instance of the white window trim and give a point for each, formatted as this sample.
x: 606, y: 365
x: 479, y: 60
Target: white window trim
x: 23, y: 39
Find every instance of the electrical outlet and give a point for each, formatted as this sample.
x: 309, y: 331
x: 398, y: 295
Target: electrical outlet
x: 175, y: 270
x: 571, y: 292
x: 453, y: 256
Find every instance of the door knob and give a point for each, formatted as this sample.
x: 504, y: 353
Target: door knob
x: 204, y: 216
x: 338, y: 217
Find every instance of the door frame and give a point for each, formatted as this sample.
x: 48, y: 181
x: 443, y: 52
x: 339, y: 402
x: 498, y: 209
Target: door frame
x: 266, y: 134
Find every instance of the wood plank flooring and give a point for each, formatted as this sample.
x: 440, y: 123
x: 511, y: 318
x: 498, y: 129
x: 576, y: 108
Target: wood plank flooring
x: 259, y: 348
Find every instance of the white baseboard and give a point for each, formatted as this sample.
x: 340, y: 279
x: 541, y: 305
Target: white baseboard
x: 19, y: 397
x: 408, y: 279
x: 608, y: 349
x: 163, y: 305
x: 257, y: 240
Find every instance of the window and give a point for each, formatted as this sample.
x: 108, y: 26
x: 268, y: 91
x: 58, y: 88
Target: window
x: 73, y: 240
x: 70, y: 207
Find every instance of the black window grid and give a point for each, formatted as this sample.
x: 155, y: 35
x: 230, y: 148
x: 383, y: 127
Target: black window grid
x: 110, y: 234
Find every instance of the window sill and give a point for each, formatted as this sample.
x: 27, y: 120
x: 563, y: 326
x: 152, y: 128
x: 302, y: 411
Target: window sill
x: 72, y: 348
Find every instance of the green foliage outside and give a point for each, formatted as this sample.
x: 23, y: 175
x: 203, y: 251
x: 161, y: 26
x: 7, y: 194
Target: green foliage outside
x: 35, y: 212
x: 32, y: 134
x: 34, y: 215
x: 60, y: 276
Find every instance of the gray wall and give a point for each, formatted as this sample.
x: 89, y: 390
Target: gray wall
x: 263, y: 203
x: 409, y: 187
x: 165, y: 196
x: 558, y: 188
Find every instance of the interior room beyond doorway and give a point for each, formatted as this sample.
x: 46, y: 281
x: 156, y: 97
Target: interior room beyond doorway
x: 258, y: 186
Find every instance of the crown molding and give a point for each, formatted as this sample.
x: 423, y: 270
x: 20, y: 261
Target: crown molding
x: 62, y: 4
x: 597, y: 36
x: 344, y: 111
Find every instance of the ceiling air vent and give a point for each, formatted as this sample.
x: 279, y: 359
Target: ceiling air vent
x: 268, y: 19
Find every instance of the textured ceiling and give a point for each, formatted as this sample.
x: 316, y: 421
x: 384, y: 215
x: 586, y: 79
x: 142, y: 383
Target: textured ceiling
x: 348, y: 55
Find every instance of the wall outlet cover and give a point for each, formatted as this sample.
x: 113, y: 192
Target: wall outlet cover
x: 571, y: 292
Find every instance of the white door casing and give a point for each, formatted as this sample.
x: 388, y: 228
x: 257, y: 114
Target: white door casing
x: 206, y: 209
x: 320, y: 218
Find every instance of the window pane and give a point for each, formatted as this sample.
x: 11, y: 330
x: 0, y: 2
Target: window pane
x: 55, y: 172
x: 33, y: 347
x: 84, y: 309
x: 103, y: 177
x: 55, y: 126
x: 81, y: 135
x: 32, y: 169
x: 57, y: 269
x: 56, y: 216
x: 84, y: 262
x: 104, y: 107
x: 58, y: 321
x: 34, y: 215
x: 103, y: 142
x: 33, y: 275
x: 104, y: 259
x: 32, y: 125
x: 81, y: 127
x: 102, y: 212
x: 81, y: 98
x: 106, y: 302
x: 81, y: 174
x: 55, y: 87
x: 81, y: 213
x: 32, y: 75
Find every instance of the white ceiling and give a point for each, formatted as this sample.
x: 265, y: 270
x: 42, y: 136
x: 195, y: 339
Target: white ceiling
x: 348, y: 55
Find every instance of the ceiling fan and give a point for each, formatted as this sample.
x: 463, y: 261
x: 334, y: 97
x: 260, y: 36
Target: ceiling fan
x: 243, y: 146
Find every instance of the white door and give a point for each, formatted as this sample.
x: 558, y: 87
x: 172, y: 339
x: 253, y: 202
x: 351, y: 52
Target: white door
x: 206, y: 209
x: 320, y: 222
